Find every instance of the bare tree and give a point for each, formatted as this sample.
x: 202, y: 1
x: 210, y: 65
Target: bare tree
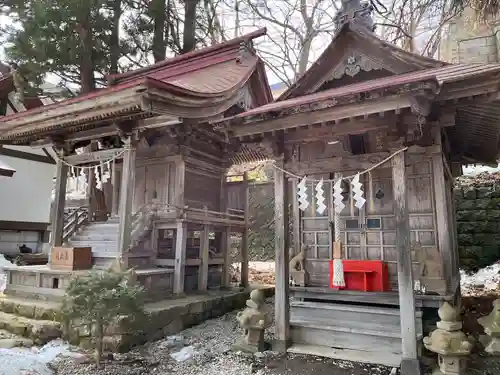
x: 297, y: 29
x: 416, y: 25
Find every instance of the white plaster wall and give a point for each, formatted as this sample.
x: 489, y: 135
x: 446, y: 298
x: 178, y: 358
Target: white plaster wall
x: 27, y: 195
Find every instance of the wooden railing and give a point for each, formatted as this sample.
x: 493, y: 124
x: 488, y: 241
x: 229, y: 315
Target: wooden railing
x: 74, y: 218
x: 233, y: 217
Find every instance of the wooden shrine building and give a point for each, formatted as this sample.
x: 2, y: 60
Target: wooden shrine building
x: 151, y: 129
x: 407, y: 124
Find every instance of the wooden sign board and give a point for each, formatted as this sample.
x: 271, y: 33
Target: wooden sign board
x: 71, y: 258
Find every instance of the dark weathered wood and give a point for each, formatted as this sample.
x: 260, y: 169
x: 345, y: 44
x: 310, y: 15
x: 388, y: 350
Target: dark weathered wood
x: 244, y: 237
x: 115, y: 199
x: 56, y: 238
x: 204, y: 258
x: 282, y: 303
x: 180, y: 176
x: 317, y: 116
x: 405, y: 273
x: 379, y: 298
x: 226, y: 254
x: 126, y: 196
x: 442, y: 218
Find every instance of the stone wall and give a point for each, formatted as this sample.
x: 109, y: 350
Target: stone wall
x: 467, y: 41
x: 478, y: 221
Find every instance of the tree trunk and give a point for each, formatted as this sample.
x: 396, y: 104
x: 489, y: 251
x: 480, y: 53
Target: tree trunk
x: 115, y: 37
x: 99, y: 341
x: 189, y: 41
x: 84, y: 29
x: 158, y: 14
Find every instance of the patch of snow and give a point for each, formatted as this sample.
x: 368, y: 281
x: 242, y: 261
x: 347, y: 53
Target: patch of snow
x: 3, y: 276
x: 485, y: 280
x: 183, y: 355
x: 33, y: 361
x: 258, y: 266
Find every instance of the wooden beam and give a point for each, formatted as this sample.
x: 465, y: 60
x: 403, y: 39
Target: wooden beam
x: 56, y: 237
x: 356, y: 162
x: 180, y: 257
x: 282, y: 259
x: 92, y: 157
x: 244, y: 238
x: 85, y: 111
x: 331, y: 130
x: 204, y: 258
x: 126, y: 197
x: 405, y: 276
x: 329, y: 114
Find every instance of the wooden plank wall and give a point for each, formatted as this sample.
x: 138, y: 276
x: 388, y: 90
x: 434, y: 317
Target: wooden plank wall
x: 154, y: 180
x: 366, y: 243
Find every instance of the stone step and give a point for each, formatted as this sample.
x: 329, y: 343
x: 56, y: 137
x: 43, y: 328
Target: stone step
x: 40, y: 331
x: 30, y: 308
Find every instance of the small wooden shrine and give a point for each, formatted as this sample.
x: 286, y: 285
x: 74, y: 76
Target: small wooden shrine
x: 365, y: 147
x: 154, y: 168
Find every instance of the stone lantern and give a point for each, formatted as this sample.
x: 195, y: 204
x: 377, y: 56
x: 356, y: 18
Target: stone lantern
x: 491, y: 325
x: 255, y: 319
x: 449, y: 342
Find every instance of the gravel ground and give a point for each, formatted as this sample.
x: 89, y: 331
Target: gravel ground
x: 208, y: 348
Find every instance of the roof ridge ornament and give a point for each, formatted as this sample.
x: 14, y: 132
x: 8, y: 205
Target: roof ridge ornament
x: 357, y: 12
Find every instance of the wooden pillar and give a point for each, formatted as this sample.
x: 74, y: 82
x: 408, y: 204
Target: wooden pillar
x: 296, y: 219
x: 225, y: 235
x: 181, y: 233
x: 409, y: 363
x: 226, y: 251
x: 114, y: 183
x: 204, y: 258
x: 282, y: 303
x: 91, y: 180
x: 90, y: 199
x: 180, y: 178
x: 126, y: 197
x: 442, y: 219
x: 244, y: 237
x: 180, y: 257
x: 56, y: 237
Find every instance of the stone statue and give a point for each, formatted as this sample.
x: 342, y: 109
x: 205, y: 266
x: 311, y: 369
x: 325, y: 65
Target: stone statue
x: 254, y: 320
x: 449, y: 342
x: 491, y: 325
x: 298, y: 272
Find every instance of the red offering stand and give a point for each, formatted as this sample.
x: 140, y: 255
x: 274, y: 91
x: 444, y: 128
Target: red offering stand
x: 364, y: 275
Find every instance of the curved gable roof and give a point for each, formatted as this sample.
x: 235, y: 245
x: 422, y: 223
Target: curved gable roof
x: 354, y: 37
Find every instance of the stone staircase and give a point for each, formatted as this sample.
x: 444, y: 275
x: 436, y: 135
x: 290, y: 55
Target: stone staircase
x: 347, y: 331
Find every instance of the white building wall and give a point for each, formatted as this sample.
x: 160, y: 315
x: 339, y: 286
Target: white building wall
x: 27, y: 195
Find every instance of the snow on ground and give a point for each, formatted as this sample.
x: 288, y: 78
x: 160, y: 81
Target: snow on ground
x: 3, y: 277
x: 484, y: 281
x: 34, y: 361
